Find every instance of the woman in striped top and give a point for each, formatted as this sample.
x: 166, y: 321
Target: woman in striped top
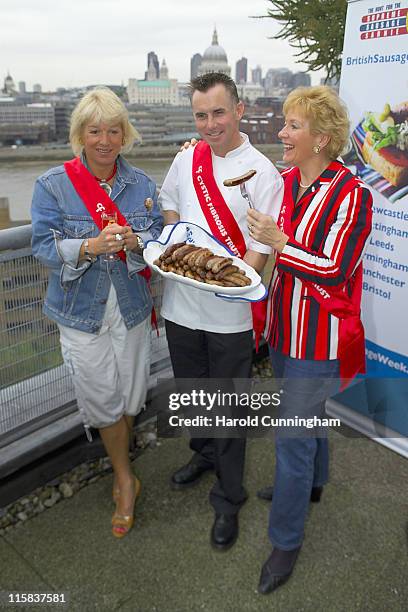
x: 313, y: 322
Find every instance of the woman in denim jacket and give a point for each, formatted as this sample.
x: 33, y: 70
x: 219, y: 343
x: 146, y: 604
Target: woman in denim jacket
x: 101, y: 303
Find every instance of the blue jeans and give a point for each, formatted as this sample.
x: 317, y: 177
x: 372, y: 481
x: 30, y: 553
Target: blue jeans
x: 302, y: 458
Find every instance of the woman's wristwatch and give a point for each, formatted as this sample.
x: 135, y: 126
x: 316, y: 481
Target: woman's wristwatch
x: 87, y: 254
x: 140, y: 242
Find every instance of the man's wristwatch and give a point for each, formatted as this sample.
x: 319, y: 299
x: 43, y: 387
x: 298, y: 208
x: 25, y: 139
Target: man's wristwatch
x: 87, y: 254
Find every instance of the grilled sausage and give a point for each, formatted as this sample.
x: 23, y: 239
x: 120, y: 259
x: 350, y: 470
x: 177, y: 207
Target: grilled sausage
x: 214, y: 260
x: 225, y: 271
x: 233, y: 182
x: 211, y: 281
x: 170, y: 249
x: 188, y: 253
x: 239, y: 279
x: 202, y: 265
x: 192, y: 258
x: 219, y: 265
x: 179, y: 253
x: 203, y: 257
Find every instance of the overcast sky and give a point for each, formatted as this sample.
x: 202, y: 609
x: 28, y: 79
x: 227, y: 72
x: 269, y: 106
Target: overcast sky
x: 79, y: 42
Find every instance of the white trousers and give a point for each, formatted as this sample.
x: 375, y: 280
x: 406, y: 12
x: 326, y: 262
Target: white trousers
x: 110, y: 370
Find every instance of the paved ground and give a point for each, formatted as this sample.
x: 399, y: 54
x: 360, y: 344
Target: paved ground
x: 354, y: 557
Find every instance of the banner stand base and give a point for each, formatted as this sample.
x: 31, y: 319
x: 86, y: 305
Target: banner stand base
x: 377, y: 432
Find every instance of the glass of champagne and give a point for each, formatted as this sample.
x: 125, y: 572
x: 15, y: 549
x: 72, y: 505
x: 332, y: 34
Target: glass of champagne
x: 109, y: 219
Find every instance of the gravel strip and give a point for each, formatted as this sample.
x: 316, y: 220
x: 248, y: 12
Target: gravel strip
x: 66, y: 485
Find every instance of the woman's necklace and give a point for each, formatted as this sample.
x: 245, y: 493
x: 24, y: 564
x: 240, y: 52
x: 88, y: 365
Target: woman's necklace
x: 101, y: 180
x: 104, y: 183
x: 305, y: 186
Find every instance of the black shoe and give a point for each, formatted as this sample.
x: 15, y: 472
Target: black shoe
x: 189, y: 474
x: 316, y: 494
x: 224, y: 531
x: 277, y: 569
x: 267, y: 493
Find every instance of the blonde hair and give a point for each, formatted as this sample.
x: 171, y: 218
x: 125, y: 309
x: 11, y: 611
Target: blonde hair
x: 326, y: 113
x: 101, y: 104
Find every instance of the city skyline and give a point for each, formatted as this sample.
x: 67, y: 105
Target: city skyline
x: 36, y: 40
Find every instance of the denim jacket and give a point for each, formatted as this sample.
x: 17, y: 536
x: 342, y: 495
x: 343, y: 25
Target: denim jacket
x: 77, y: 291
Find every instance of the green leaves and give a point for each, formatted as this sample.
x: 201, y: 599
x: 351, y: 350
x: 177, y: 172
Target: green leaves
x: 383, y: 134
x: 390, y: 139
x: 315, y: 28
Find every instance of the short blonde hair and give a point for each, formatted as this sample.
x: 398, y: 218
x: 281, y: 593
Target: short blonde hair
x: 101, y: 104
x: 325, y: 111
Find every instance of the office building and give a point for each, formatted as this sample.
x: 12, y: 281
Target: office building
x: 256, y: 75
x: 195, y: 64
x: 241, y: 70
x: 152, y: 91
x: 152, y: 64
x: 278, y: 81
x: 301, y: 79
x: 249, y: 92
x: 26, y: 123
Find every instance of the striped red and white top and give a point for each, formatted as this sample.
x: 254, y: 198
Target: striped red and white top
x: 331, y: 225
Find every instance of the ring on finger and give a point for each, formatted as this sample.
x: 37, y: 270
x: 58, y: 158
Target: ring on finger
x: 118, y: 237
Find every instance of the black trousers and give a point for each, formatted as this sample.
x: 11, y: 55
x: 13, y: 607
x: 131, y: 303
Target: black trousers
x: 201, y: 354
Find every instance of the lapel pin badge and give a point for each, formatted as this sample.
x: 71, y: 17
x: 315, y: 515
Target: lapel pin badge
x: 148, y: 204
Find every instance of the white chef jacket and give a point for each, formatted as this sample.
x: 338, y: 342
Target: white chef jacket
x: 186, y: 305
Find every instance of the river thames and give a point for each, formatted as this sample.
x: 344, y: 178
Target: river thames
x: 20, y: 168
x: 17, y: 181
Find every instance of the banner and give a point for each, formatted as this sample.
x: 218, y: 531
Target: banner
x: 374, y: 85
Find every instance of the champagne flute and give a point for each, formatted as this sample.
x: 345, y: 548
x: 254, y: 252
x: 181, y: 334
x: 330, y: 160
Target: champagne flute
x: 109, y: 219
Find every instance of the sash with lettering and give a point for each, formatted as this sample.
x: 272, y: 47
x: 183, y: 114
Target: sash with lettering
x: 97, y: 202
x: 351, y: 345
x: 221, y: 221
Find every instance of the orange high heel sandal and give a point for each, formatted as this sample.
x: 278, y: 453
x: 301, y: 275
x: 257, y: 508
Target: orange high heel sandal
x: 122, y: 524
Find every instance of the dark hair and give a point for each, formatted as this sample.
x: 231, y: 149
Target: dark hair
x: 210, y: 79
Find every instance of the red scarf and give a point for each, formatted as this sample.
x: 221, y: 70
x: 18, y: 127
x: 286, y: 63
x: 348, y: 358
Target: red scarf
x: 351, y: 346
x: 221, y: 221
x: 97, y: 202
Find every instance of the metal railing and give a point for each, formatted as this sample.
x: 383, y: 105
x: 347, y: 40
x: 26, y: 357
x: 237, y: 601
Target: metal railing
x: 35, y: 386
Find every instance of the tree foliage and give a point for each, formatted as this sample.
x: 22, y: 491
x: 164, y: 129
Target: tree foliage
x: 315, y: 28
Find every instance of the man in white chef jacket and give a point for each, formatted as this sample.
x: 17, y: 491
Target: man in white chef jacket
x: 209, y: 337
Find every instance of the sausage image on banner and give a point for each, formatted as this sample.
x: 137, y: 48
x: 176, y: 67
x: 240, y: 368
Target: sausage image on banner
x: 385, y: 145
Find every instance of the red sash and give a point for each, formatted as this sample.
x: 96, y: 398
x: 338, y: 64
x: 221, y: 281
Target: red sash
x: 97, y: 202
x: 351, y: 346
x: 221, y: 221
